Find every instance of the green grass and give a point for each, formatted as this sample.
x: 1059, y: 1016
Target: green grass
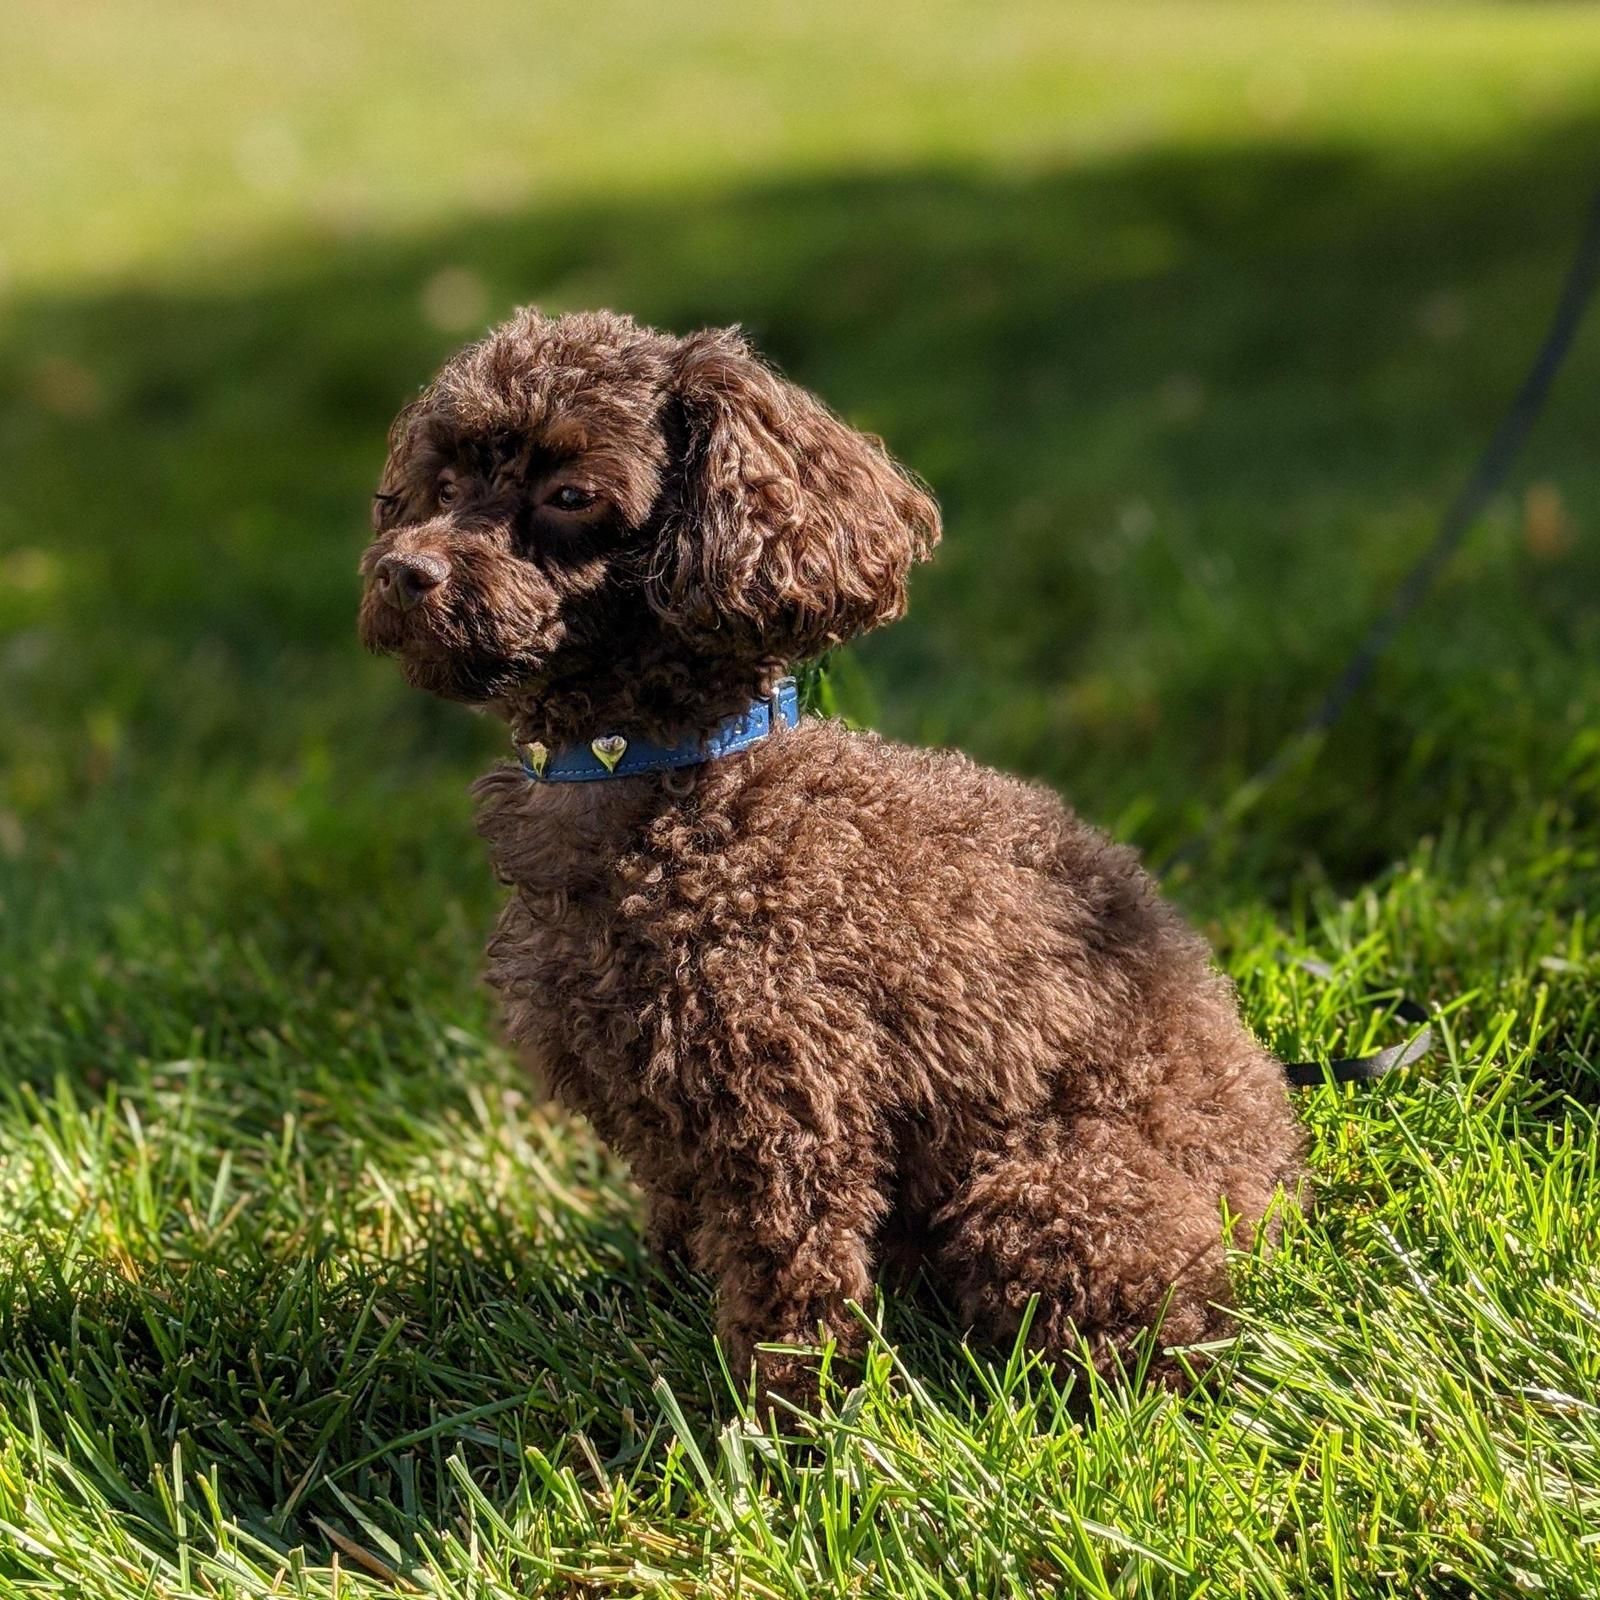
x: 1195, y: 314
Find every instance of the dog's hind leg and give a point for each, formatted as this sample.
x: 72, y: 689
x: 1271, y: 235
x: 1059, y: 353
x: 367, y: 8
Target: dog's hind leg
x: 1112, y: 1238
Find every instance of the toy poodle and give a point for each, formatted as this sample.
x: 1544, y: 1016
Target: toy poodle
x: 841, y: 1004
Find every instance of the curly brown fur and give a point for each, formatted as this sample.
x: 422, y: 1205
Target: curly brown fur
x: 830, y: 996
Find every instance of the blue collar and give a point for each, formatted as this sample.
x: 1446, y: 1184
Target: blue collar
x: 612, y: 756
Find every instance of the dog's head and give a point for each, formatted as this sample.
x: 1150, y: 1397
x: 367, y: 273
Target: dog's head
x: 573, y: 494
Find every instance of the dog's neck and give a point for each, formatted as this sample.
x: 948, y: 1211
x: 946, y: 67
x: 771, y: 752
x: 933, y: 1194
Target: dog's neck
x: 566, y: 839
x: 611, y: 756
x: 665, y: 701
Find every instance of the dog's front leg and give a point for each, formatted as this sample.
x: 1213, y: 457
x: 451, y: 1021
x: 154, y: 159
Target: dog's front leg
x: 785, y: 1228
x: 669, y: 1226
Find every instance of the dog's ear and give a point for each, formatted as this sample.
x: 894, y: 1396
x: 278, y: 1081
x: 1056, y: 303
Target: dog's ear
x: 790, y: 532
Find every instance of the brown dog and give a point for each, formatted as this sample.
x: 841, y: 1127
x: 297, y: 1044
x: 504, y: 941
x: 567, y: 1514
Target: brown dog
x: 833, y: 999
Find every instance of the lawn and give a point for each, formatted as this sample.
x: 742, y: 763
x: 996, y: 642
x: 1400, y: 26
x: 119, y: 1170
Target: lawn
x: 1195, y: 315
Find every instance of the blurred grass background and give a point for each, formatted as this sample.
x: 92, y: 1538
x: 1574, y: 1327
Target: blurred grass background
x: 1194, y: 314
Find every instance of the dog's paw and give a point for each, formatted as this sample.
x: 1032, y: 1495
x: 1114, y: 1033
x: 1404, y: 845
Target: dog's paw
x: 785, y: 1381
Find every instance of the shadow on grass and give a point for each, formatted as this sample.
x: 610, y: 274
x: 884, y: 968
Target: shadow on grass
x: 314, y: 1373
x: 322, y: 1389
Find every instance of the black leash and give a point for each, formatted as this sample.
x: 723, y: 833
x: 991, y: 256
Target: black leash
x: 1356, y: 1069
x: 1487, y: 477
x: 1462, y: 513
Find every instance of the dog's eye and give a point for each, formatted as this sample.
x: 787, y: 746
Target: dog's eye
x: 569, y: 497
x: 447, y: 492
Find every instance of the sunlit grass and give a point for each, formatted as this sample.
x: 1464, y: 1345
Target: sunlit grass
x: 166, y: 134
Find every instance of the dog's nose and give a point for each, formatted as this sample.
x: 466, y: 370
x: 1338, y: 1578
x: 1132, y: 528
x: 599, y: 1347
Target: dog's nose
x: 404, y: 580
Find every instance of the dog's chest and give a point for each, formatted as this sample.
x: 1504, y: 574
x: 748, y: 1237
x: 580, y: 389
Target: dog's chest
x: 566, y: 956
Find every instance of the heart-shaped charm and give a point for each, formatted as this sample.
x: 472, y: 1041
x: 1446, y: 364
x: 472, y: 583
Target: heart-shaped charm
x: 536, y: 756
x: 609, y: 750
